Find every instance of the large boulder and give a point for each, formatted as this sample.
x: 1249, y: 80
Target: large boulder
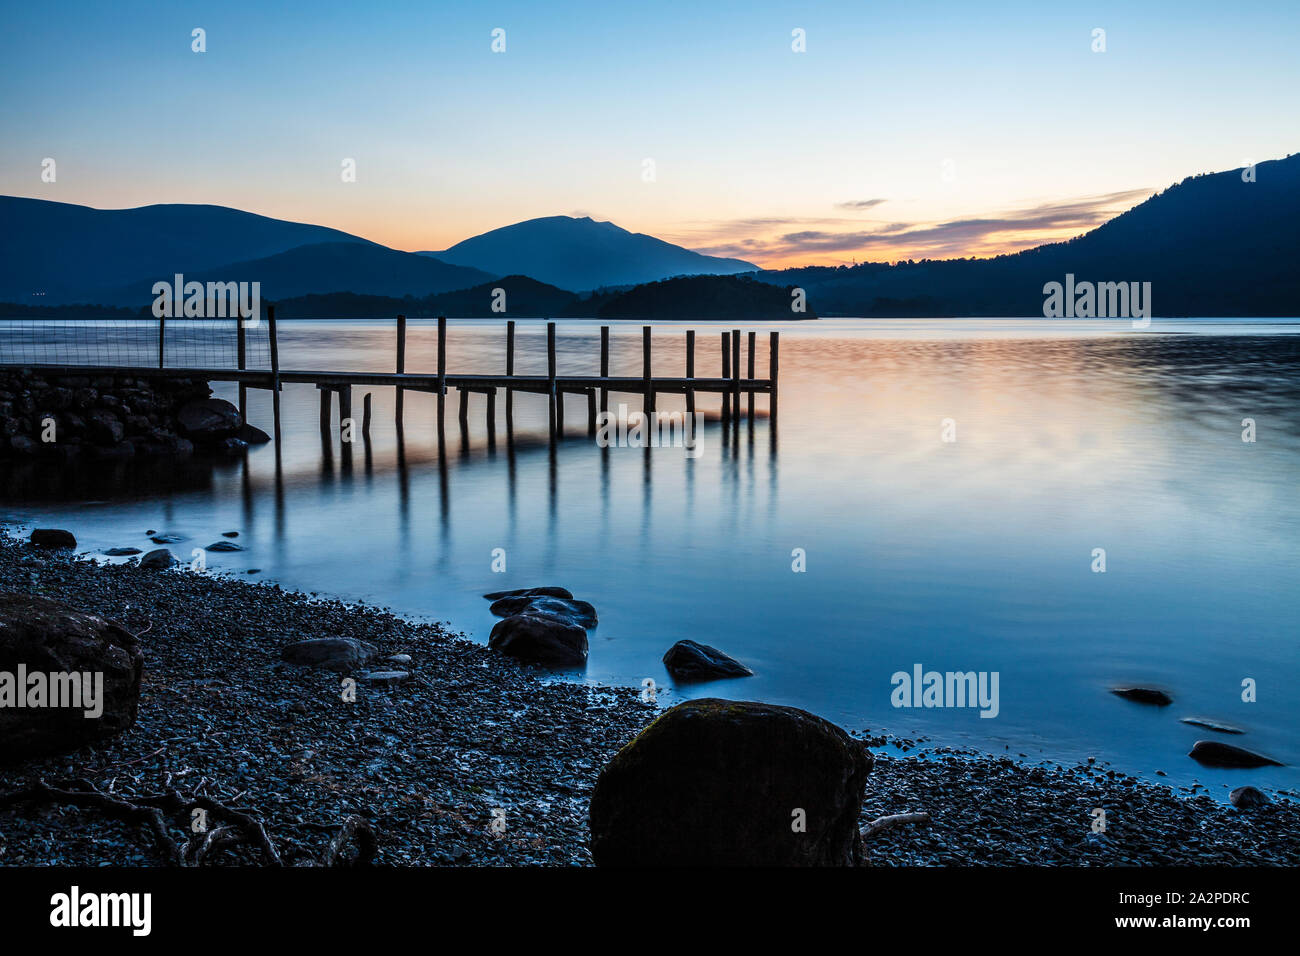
x: 331, y: 653
x: 52, y: 644
x: 53, y: 538
x: 689, y: 661
x: 209, y: 420
x: 578, y: 612
x: 538, y: 637
x: 732, y: 783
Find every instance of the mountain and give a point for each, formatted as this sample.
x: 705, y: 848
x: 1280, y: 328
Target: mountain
x: 323, y: 267
x: 582, y: 254
x: 1212, y: 245
x: 71, y: 253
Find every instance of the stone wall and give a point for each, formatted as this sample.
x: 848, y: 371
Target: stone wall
x: 102, y: 416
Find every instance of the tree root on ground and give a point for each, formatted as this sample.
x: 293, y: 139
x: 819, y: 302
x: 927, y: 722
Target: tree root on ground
x: 235, y: 826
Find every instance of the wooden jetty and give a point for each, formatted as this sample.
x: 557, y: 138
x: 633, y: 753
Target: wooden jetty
x: 554, y: 385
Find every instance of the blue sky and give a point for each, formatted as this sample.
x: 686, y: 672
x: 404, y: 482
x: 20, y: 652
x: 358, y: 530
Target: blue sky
x: 980, y: 128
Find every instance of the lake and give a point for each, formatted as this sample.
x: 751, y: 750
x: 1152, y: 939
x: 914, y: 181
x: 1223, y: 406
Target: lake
x: 974, y: 554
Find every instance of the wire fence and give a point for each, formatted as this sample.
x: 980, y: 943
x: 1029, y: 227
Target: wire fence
x: 134, y: 343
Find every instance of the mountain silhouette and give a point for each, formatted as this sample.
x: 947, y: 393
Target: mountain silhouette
x: 364, y: 269
x: 73, y: 253
x: 1212, y: 245
x: 582, y: 254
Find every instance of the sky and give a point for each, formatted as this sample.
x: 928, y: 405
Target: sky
x: 902, y: 130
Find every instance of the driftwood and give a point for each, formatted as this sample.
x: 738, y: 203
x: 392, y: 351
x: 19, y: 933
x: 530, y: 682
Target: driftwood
x: 236, y: 825
x: 893, y: 820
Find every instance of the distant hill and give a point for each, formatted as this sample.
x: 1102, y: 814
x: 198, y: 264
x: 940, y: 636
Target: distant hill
x: 76, y: 253
x: 325, y: 267
x: 1211, y: 245
x: 524, y: 297
x: 582, y: 254
x: 701, y: 297
x: 690, y: 298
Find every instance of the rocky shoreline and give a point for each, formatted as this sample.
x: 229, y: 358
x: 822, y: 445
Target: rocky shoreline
x: 467, y: 757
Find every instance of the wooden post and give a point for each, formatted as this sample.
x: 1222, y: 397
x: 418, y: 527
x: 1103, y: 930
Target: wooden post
x: 591, y: 411
x: 325, y: 395
x: 345, y: 410
x: 690, y: 372
x: 772, y: 362
x: 365, y: 416
x: 510, y: 371
x: 401, y: 365
x: 442, y: 373
x: 726, y: 373
x: 491, y: 415
x: 735, y: 369
x: 648, y: 385
x: 241, y: 352
x: 750, y: 376
x: 464, y: 410
x: 550, y: 374
x: 604, y: 366
x: 275, y: 370
x: 162, y: 336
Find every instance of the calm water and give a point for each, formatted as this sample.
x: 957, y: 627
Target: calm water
x: 973, y: 555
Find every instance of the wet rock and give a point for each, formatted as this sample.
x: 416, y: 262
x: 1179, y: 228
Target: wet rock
x: 331, y: 653
x: 1210, y: 724
x: 252, y: 435
x: 52, y: 638
x: 732, y: 783
x: 1215, y: 753
x: 1144, y: 695
x: 530, y: 592
x: 385, y: 678
x: 579, y: 612
x: 209, y: 420
x: 158, y: 558
x: 121, y: 552
x: 1248, y: 798
x: 104, y: 428
x: 224, y: 546
x: 53, y: 538
x: 692, y: 661
x: 230, y: 534
x: 539, y: 638
x: 168, y: 538
x: 230, y: 446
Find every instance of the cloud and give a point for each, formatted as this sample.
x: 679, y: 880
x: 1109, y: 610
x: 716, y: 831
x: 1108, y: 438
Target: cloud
x: 788, y: 241
x: 859, y: 204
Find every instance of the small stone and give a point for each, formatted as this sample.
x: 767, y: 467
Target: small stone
x: 1210, y: 724
x: 160, y: 558
x: 224, y: 546
x: 1144, y: 695
x: 121, y: 552
x: 230, y: 534
x: 167, y: 538
x: 332, y: 653
x: 1248, y: 798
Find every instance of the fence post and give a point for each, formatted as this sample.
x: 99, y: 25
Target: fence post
x: 401, y: 364
x: 726, y: 373
x: 550, y: 374
x: 690, y: 371
x: 773, y: 353
x: 275, y: 370
x: 750, y: 376
x: 645, y: 369
x: 242, y: 361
